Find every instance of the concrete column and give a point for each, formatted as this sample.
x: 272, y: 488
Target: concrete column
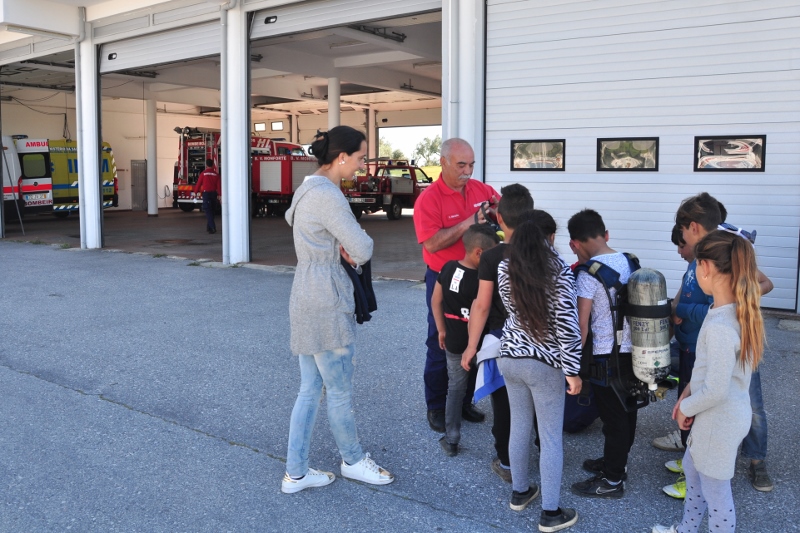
x: 334, y: 103
x: 372, y: 134
x: 236, y: 138
x: 293, y: 127
x: 87, y: 103
x: 152, y: 157
x: 463, y: 53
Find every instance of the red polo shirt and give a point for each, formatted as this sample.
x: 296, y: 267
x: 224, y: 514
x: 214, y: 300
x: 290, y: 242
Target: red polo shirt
x: 440, y: 207
x: 208, y: 181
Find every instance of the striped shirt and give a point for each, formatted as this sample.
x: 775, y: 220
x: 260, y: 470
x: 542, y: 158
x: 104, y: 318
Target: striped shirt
x: 561, y: 345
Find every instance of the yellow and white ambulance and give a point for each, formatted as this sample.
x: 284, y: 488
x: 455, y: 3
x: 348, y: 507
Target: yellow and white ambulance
x: 41, y: 176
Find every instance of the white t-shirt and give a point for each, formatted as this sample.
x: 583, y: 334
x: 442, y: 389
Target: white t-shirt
x: 602, y: 324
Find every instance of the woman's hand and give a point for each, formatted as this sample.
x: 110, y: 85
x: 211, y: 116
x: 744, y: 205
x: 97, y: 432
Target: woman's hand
x: 574, y: 385
x: 347, y: 257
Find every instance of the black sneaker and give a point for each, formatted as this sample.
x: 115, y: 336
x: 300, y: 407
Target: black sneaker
x: 567, y: 518
x: 471, y: 414
x: 598, y: 487
x: 596, y: 466
x: 451, y: 450
x: 520, y: 500
x: 436, y: 420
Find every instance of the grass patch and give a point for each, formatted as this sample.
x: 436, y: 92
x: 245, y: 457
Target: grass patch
x: 37, y: 241
x: 65, y: 245
x: 159, y: 255
x: 194, y: 264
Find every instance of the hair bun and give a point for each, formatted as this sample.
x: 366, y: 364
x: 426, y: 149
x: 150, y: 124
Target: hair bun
x: 319, y: 148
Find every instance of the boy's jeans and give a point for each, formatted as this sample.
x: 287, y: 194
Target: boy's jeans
x: 754, y: 445
x: 456, y: 389
x: 334, y: 369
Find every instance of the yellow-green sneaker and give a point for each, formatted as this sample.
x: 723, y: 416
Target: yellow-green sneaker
x: 675, y: 466
x: 676, y: 490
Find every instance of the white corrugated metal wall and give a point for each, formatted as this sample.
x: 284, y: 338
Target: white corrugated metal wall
x: 580, y: 70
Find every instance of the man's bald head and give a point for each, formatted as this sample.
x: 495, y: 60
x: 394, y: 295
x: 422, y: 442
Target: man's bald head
x: 458, y: 162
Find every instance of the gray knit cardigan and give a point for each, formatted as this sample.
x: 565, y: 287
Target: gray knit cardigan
x: 720, y: 399
x: 321, y: 304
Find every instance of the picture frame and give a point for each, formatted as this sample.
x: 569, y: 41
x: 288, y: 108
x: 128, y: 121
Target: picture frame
x: 730, y: 153
x: 627, y: 154
x: 538, y: 155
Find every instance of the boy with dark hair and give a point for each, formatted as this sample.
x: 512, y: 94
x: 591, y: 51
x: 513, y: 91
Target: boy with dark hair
x: 488, y: 312
x: 589, y: 240
x: 456, y: 288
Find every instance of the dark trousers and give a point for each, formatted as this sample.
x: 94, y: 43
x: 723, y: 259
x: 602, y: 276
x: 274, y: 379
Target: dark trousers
x: 210, y: 207
x: 501, y: 429
x: 684, y: 377
x: 435, y: 373
x: 619, y: 429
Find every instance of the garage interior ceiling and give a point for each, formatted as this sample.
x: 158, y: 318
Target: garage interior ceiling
x: 384, y: 65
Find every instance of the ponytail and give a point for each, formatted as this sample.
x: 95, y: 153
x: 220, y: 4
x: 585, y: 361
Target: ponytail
x: 744, y: 276
x: 328, y: 145
x: 735, y: 256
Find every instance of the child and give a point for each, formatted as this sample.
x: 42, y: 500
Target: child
x: 696, y: 217
x: 488, y: 312
x: 589, y: 240
x: 539, y: 348
x: 455, y: 289
x: 672, y: 441
x: 716, y: 404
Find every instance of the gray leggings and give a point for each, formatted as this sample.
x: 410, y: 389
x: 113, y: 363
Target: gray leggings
x: 530, y: 382
x: 703, y: 492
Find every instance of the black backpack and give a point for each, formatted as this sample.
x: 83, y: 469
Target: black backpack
x: 616, y: 370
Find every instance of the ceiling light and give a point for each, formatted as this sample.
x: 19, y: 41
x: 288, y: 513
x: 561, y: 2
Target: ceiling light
x: 347, y: 44
x: 38, y: 33
x: 424, y: 64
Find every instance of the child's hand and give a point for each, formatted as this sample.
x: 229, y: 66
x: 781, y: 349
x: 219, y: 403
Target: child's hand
x: 684, y: 422
x: 466, y: 358
x: 574, y: 385
x: 441, y: 339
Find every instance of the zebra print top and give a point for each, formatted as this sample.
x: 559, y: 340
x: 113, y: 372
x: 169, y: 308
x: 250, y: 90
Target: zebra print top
x: 561, y: 346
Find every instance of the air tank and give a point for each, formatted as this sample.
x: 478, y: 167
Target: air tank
x: 648, y: 312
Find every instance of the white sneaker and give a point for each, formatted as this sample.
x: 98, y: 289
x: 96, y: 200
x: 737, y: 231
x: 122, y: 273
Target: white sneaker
x: 313, y: 478
x: 367, y: 471
x: 665, y: 529
x: 670, y: 442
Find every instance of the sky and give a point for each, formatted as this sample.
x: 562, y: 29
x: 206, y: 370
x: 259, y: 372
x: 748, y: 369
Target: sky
x: 406, y: 138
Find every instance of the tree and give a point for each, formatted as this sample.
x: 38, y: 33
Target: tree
x: 428, y: 150
x: 385, y: 150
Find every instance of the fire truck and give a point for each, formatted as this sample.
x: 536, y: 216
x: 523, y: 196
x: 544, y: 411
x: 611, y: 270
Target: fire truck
x: 277, y: 169
x: 388, y: 185
x: 41, y: 176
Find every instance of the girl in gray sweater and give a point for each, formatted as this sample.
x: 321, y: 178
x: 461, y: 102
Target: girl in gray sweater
x: 716, y: 404
x: 321, y: 308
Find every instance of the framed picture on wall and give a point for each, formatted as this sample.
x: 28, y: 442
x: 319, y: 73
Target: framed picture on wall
x: 744, y: 153
x: 540, y: 154
x: 627, y: 154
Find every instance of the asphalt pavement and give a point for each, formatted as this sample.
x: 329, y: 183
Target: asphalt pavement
x: 144, y: 393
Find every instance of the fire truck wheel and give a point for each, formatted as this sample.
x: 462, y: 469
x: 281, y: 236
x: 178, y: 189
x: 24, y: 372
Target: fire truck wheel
x: 61, y: 214
x: 357, y: 211
x: 188, y: 208
x: 395, y: 210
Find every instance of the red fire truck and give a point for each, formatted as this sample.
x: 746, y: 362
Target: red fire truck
x: 390, y: 185
x: 277, y: 169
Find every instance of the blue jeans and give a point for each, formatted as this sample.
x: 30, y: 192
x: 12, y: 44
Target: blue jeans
x: 210, y: 207
x: 334, y: 369
x: 754, y: 446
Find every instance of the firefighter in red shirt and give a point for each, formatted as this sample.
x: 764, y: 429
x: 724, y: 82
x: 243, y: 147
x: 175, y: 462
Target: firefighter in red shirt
x: 442, y: 214
x: 210, y: 185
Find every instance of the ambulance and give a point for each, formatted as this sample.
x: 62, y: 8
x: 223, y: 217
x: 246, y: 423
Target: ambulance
x: 41, y: 176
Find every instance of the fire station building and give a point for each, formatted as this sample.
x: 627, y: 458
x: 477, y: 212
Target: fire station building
x: 623, y: 107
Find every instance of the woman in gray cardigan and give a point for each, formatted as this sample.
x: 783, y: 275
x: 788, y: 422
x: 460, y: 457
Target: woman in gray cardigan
x: 321, y: 310
x: 716, y: 404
